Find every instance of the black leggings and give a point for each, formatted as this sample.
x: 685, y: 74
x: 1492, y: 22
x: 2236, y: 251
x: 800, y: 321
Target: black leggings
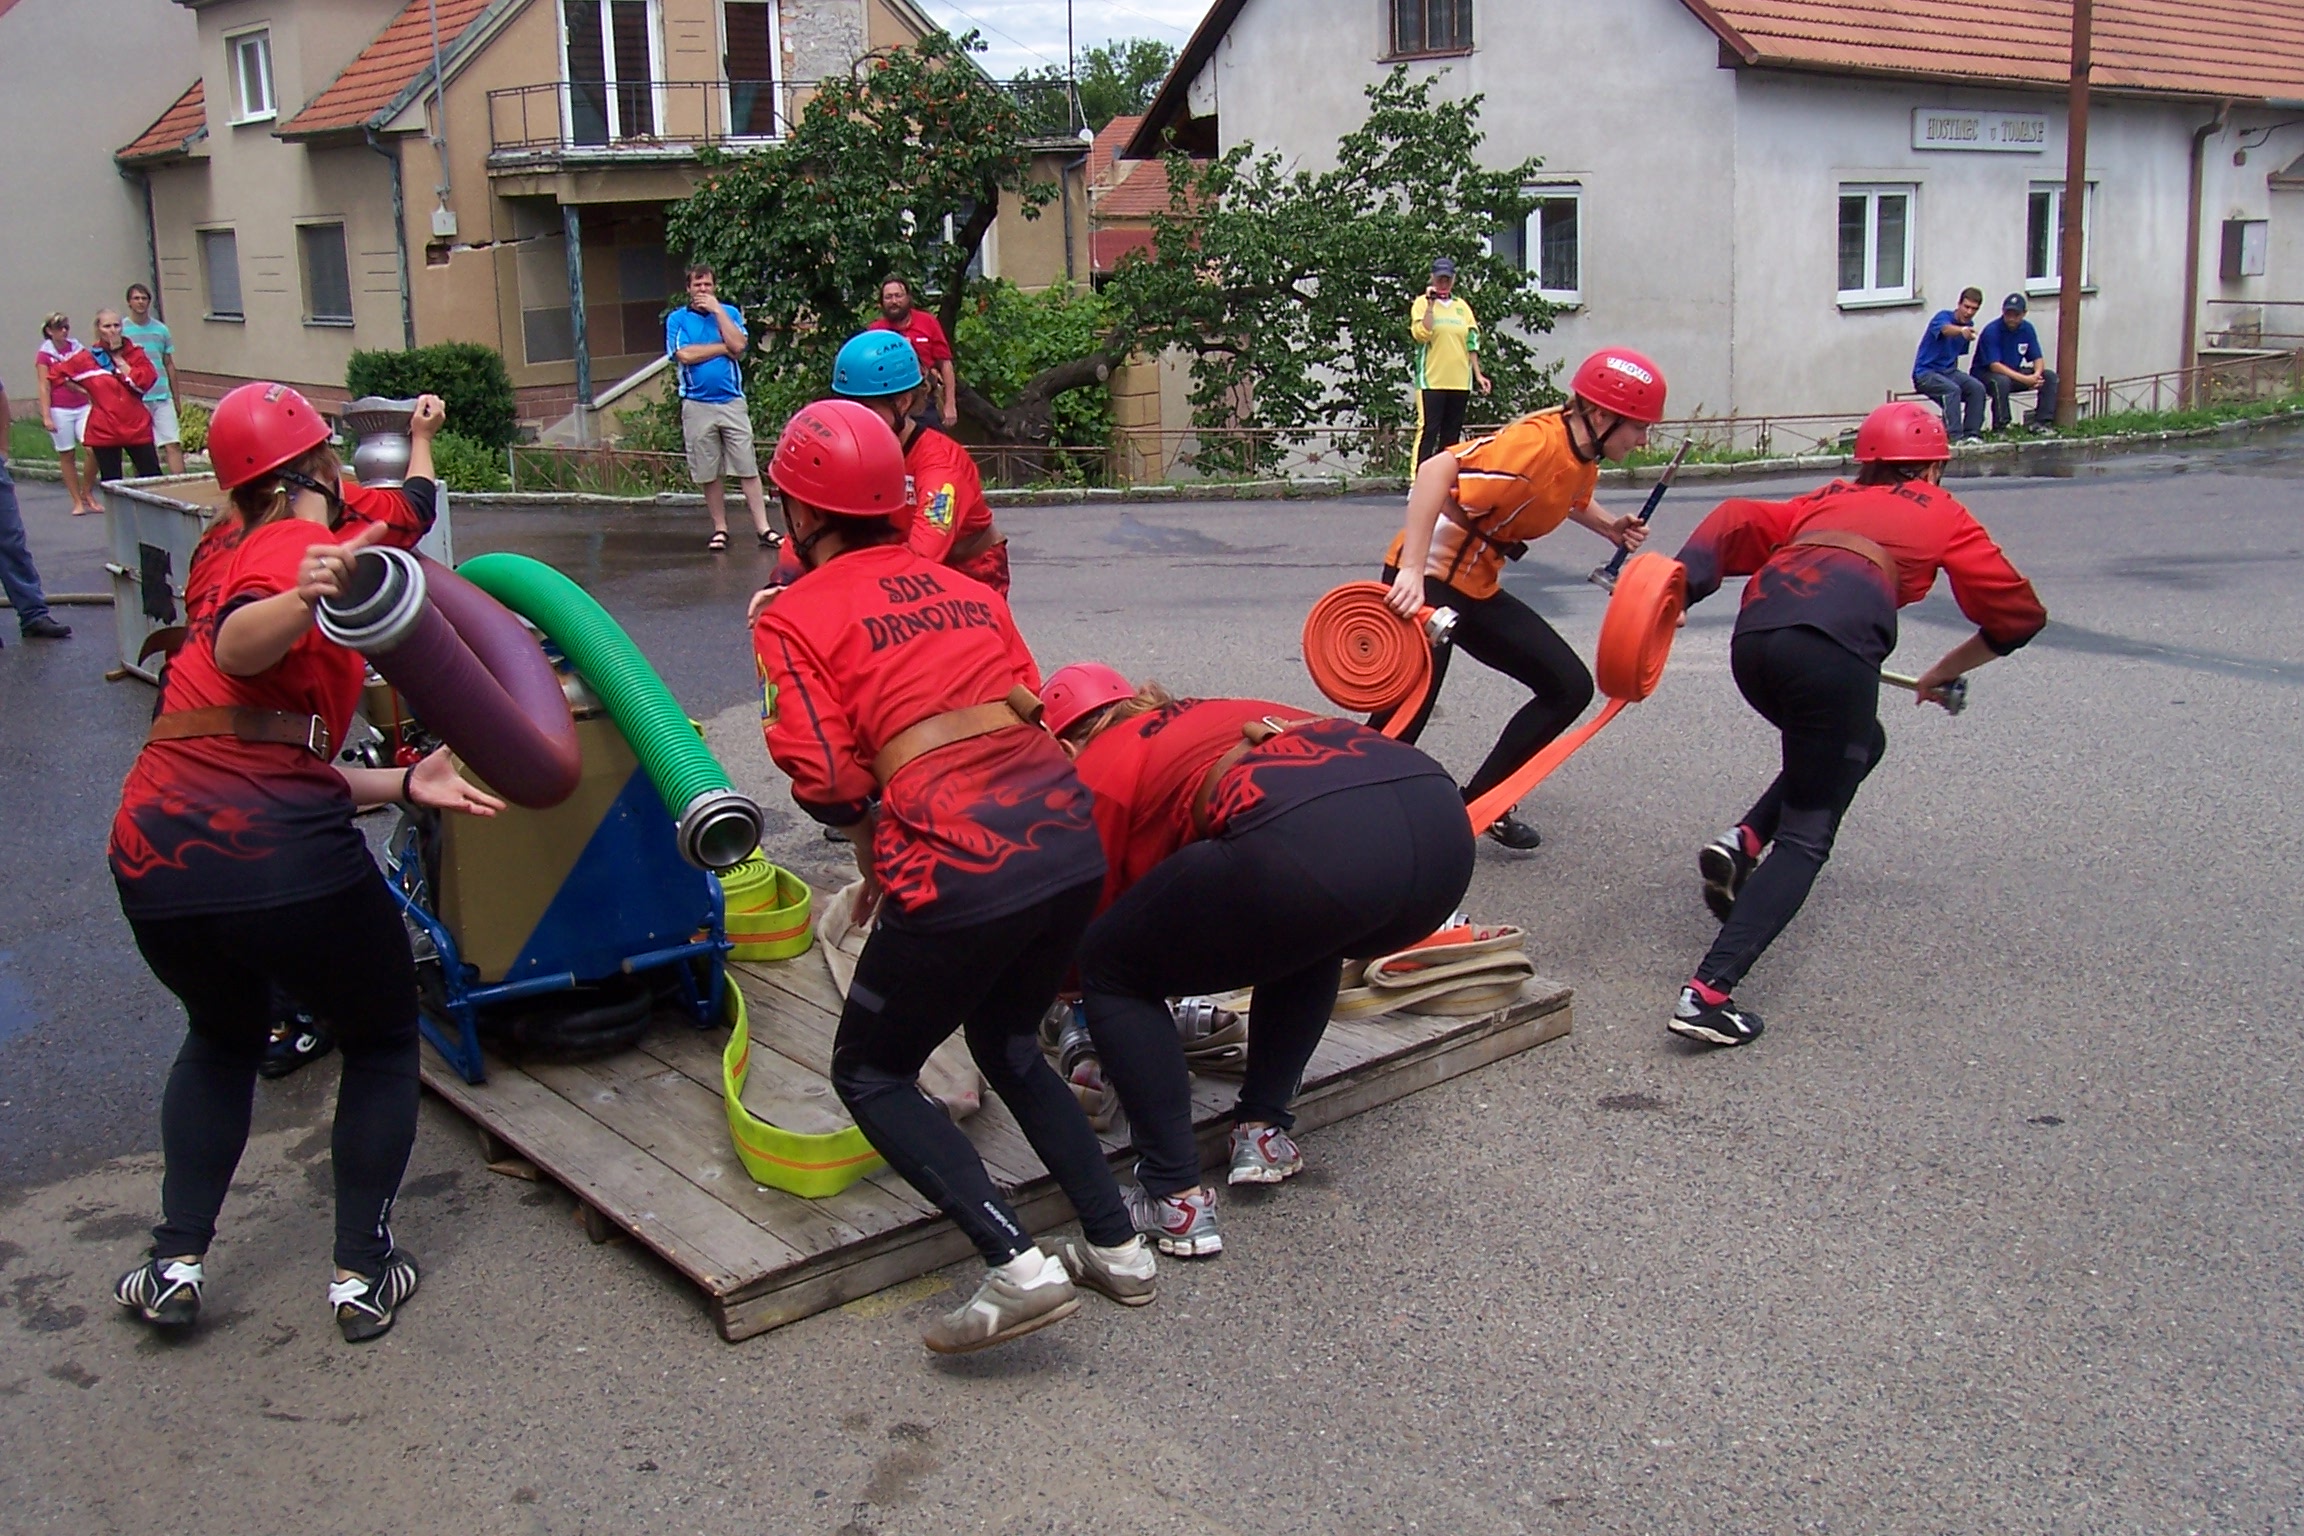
x: 912, y: 989
x: 1439, y: 420
x: 1826, y: 700
x: 343, y: 956
x: 1279, y: 907
x: 144, y: 456
x: 1506, y: 634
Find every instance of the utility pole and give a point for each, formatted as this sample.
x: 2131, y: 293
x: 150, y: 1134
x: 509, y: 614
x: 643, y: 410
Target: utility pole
x: 2072, y: 257
x: 1072, y: 70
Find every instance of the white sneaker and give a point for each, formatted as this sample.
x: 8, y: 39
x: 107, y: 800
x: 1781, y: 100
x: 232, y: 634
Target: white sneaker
x: 1264, y: 1155
x: 1006, y: 1307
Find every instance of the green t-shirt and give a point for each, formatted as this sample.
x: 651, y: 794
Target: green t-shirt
x: 158, y: 345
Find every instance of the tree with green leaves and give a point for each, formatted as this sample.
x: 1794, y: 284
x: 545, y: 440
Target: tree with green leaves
x: 1290, y: 289
x: 1117, y: 79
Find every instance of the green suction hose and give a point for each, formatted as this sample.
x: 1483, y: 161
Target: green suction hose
x: 718, y: 826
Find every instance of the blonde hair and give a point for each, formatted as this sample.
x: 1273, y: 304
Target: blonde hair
x: 1147, y: 698
x: 267, y: 498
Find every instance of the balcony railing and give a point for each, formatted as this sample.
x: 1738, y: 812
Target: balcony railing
x: 562, y: 116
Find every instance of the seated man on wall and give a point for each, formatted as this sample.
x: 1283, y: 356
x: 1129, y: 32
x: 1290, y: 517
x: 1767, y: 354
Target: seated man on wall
x: 2009, y: 361
x: 1936, y: 370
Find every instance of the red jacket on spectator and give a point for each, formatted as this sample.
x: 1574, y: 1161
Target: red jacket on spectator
x: 117, y: 417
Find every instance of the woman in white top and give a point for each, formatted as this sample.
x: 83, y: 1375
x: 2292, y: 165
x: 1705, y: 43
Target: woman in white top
x: 64, y: 410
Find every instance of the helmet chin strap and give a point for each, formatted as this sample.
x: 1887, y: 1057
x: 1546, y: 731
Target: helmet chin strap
x: 1583, y: 409
x: 328, y: 493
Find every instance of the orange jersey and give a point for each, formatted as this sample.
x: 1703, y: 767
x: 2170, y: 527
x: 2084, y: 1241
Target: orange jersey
x: 1515, y: 485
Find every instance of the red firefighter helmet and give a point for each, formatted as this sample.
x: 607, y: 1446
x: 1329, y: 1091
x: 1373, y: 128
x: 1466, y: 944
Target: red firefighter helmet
x: 1078, y: 690
x: 259, y: 427
x: 841, y: 457
x: 1621, y: 380
x: 1902, y: 432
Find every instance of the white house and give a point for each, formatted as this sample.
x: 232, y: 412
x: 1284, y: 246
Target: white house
x: 1771, y: 196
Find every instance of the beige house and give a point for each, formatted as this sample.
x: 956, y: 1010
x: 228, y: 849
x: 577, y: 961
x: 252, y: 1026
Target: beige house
x: 72, y: 237
x: 351, y: 174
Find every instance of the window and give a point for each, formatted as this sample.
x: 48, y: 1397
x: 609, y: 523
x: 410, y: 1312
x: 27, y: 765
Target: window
x: 748, y: 29
x: 220, y: 269
x: 613, y: 69
x: 1431, y: 26
x: 1876, y: 244
x: 2044, y: 237
x: 540, y: 267
x: 327, y: 277
x: 251, y: 56
x: 1548, y: 244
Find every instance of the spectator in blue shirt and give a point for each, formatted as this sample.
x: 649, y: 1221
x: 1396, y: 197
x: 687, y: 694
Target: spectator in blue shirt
x: 704, y: 338
x: 2009, y: 361
x: 1936, y: 370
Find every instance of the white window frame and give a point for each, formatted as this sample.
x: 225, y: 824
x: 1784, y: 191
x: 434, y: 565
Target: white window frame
x: 208, y: 311
x: 615, y: 105
x: 775, y: 87
x: 2053, y: 281
x: 304, y: 273
x: 258, y: 40
x: 1532, y: 241
x: 1872, y: 293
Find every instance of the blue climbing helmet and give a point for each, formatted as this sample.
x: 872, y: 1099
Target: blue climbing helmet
x: 873, y: 364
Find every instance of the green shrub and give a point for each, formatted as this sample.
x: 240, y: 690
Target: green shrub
x: 468, y: 376
x: 192, y: 425
x: 1007, y: 335
x: 464, y: 465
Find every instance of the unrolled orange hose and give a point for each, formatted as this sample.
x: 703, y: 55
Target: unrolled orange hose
x: 1635, y: 638
x: 1365, y: 657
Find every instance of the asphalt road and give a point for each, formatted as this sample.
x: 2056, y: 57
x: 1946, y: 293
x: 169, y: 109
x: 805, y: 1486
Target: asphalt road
x: 1996, y: 1229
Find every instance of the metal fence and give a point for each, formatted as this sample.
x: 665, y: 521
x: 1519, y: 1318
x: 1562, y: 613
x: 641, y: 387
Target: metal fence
x: 588, y: 114
x: 2268, y: 324
x: 597, y: 471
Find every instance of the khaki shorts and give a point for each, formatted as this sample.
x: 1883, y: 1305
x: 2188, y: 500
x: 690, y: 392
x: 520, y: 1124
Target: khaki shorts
x: 719, y: 438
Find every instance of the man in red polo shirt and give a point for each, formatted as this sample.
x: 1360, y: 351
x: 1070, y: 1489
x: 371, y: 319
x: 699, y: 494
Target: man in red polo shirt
x: 926, y: 333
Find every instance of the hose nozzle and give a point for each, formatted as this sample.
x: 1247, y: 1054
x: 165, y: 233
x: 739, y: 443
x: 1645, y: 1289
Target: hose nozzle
x: 382, y: 607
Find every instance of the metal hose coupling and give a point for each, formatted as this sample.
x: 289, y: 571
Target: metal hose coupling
x: 383, y: 606
x: 1440, y: 627
x: 719, y: 829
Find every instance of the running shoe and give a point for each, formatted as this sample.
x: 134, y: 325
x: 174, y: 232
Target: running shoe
x: 1512, y: 832
x: 1265, y: 1155
x: 1720, y: 1023
x: 1002, y: 1309
x: 302, y: 1041
x: 365, y: 1304
x: 1127, y: 1275
x: 1725, y: 867
x: 1183, y: 1225
x: 164, y: 1292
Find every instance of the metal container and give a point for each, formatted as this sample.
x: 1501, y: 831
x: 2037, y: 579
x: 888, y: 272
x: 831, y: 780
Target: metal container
x: 379, y: 429
x: 153, y: 526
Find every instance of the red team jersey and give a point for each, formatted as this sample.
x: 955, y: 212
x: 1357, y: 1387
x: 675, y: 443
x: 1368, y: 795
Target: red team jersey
x: 1845, y: 595
x: 216, y: 824
x: 1145, y: 773
x: 869, y: 645
x: 406, y: 513
x: 951, y: 508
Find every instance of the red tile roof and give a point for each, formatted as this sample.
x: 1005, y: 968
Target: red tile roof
x: 2243, y: 49
x: 183, y: 125
x: 1123, y: 189
x: 385, y: 69
x: 1107, y: 246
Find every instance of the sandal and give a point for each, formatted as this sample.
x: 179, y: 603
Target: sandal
x: 771, y: 539
x: 718, y: 543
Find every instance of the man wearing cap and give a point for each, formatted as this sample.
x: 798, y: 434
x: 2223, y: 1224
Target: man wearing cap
x: 1447, y: 360
x: 2009, y: 361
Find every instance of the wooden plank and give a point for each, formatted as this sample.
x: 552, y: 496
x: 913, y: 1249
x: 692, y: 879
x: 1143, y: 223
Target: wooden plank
x: 1434, y: 1063
x: 696, y: 1234
x: 666, y: 1114
x: 805, y: 977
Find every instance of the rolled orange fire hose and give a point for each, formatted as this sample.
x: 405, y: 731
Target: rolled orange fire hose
x: 1364, y: 656
x: 1368, y: 659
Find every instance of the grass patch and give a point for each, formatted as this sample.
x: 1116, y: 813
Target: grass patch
x: 29, y: 440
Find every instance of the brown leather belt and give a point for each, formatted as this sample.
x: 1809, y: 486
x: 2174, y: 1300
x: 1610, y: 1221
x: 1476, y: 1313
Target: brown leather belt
x: 1253, y: 734
x: 1855, y: 544
x: 271, y: 726
x: 1021, y: 707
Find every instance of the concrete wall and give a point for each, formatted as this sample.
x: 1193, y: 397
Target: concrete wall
x: 71, y: 227
x: 2267, y: 144
x: 1030, y: 252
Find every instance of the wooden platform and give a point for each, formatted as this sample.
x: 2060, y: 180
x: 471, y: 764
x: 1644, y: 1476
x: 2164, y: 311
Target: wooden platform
x: 642, y: 1141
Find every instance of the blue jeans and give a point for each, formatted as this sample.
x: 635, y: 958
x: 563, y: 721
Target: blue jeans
x: 17, y: 573
x: 1961, y: 396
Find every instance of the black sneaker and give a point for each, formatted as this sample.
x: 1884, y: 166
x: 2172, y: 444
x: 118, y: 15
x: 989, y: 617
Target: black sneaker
x: 1721, y: 1023
x: 46, y: 628
x: 164, y: 1292
x: 1725, y: 867
x: 304, y: 1041
x: 364, y: 1304
x: 1512, y: 832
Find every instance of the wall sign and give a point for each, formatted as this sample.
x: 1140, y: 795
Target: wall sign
x: 2006, y: 133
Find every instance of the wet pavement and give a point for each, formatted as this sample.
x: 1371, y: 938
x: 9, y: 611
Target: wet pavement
x: 1998, y: 1227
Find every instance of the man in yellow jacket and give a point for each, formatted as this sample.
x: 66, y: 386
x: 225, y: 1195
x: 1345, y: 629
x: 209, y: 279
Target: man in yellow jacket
x: 1447, y: 337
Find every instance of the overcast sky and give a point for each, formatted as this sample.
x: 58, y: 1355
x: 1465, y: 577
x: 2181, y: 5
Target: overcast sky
x: 1025, y: 34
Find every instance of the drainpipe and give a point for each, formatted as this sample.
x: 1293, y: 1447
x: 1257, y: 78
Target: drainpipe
x: 152, y: 243
x: 572, y: 224
x: 399, y: 238
x: 1065, y: 182
x: 2189, y: 356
